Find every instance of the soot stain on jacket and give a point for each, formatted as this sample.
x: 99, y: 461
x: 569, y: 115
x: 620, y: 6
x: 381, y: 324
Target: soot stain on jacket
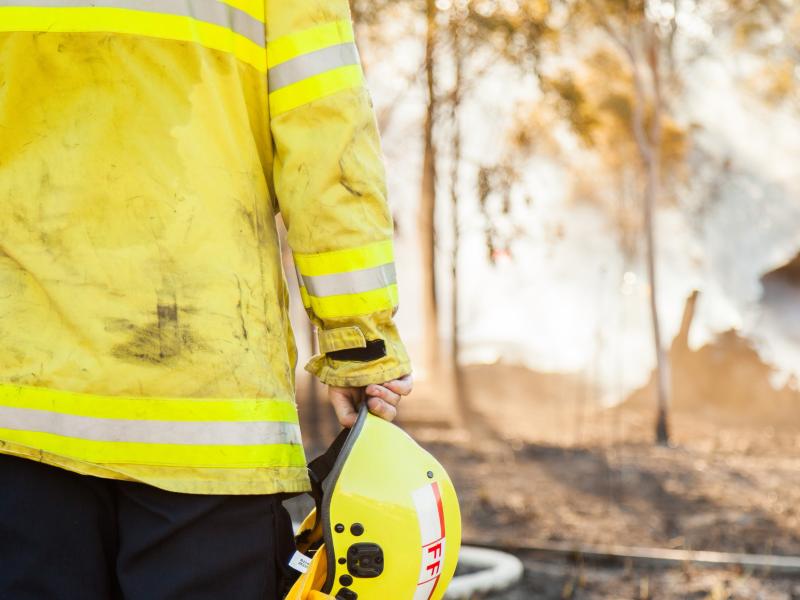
x: 346, y: 183
x: 158, y: 342
x: 240, y: 312
x: 353, y: 175
x: 250, y: 219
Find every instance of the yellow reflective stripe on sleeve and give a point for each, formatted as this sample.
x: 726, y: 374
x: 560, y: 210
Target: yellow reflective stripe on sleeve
x: 348, y: 282
x: 352, y: 282
x: 293, y: 45
x: 154, y: 409
x: 351, y: 305
x: 133, y: 22
x: 315, y: 88
x: 305, y: 80
x: 312, y: 64
x: 271, y: 455
x: 348, y: 259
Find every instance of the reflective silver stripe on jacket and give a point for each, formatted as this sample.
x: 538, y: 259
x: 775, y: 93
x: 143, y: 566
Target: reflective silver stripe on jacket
x: 313, y: 63
x: 353, y: 282
x: 207, y: 11
x: 197, y: 433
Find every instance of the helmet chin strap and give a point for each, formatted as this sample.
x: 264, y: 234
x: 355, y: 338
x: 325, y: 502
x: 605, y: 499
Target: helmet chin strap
x: 318, y: 471
x: 323, y: 473
x: 320, y: 468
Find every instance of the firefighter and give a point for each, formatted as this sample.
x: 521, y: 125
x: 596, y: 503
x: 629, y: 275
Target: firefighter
x: 147, y: 416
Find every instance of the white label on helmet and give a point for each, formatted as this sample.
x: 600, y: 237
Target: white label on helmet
x: 430, y: 513
x: 300, y: 562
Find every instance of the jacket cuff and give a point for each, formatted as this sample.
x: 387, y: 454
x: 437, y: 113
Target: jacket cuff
x: 332, y: 374
x: 329, y: 367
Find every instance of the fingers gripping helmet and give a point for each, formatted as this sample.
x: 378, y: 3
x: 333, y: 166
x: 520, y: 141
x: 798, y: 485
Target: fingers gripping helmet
x: 387, y: 524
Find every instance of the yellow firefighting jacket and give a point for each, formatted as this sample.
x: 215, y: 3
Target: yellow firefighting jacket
x: 145, y: 146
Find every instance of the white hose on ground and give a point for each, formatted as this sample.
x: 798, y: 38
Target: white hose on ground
x: 496, y: 571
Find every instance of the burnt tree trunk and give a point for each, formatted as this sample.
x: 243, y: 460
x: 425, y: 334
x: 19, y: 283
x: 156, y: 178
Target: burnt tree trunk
x: 427, y: 209
x: 462, y: 400
x: 652, y: 192
x: 648, y: 142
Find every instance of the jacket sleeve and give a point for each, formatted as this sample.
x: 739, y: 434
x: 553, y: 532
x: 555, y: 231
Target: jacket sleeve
x: 330, y: 185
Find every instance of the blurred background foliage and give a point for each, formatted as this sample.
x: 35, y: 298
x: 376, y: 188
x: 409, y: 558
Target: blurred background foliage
x: 598, y: 214
x: 609, y: 104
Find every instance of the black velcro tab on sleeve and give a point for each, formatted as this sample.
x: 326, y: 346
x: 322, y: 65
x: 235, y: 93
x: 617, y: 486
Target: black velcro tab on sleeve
x: 375, y: 349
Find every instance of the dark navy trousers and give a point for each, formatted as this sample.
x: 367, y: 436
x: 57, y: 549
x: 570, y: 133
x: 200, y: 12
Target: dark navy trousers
x: 65, y: 536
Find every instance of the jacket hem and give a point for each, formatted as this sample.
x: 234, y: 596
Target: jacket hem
x: 222, y: 481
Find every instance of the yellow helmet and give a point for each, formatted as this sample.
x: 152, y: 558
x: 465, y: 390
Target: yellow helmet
x: 387, y: 524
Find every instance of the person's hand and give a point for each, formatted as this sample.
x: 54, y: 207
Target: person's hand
x: 382, y: 400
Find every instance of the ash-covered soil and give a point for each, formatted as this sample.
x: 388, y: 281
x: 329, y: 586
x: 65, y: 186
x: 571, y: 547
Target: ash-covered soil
x: 552, y: 470
x: 545, y: 463
x: 558, y: 581
x: 632, y: 494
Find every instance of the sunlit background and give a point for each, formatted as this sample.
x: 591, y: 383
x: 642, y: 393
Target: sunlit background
x: 550, y: 165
